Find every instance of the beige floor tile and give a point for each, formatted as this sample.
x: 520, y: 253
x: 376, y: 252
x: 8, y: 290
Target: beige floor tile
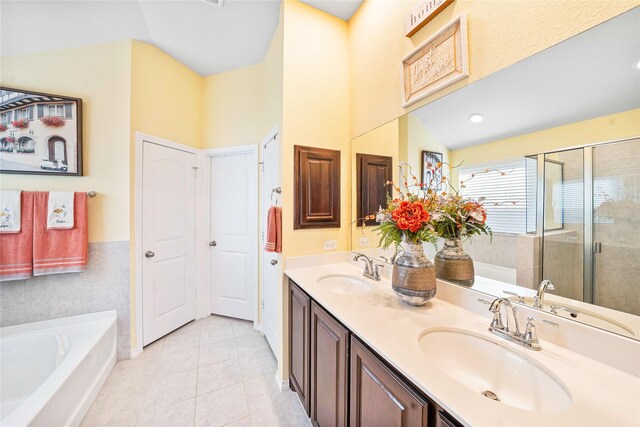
x: 245, y: 422
x: 218, y: 375
x: 221, y: 407
x: 215, y: 333
x: 241, y: 329
x: 189, y: 328
x: 181, y: 342
x: 253, y: 366
x: 167, y: 389
x: 179, y: 414
x: 251, y: 344
x: 177, y: 361
x: 216, y: 352
x: 114, y: 406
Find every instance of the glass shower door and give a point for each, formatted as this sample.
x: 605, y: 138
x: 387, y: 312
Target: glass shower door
x: 616, y: 225
x: 564, y: 222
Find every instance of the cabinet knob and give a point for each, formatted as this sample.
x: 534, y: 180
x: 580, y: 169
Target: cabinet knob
x: 149, y: 254
x: 213, y: 243
x: 274, y: 261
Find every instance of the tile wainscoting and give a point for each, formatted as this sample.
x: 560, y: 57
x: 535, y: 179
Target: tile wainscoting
x: 103, y: 286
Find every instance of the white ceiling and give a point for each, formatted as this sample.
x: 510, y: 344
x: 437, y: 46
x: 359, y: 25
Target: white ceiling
x: 343, y: 9
x: 587, y: 76
x: 206, y: 38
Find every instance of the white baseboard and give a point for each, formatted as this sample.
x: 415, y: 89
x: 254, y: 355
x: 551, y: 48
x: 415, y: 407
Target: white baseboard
x: 282, y: 385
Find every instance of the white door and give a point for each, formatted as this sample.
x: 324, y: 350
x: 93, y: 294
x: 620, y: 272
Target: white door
x: 234, y: 235
x: 271, y: 268
x: 168, y: 239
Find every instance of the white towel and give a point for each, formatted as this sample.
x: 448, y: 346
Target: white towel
x: 60, y: 210
x: 10, y: 210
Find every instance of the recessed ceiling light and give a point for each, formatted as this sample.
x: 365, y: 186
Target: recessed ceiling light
x: 476, y: 118
x: 636, y: 65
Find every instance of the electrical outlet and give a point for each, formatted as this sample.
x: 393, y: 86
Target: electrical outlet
x: 363, y: 242
x: 330, y: 245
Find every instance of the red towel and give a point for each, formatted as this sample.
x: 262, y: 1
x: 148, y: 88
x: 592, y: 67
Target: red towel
x: 274, y: 230
x: 16, y: 249
x: 59, y: 251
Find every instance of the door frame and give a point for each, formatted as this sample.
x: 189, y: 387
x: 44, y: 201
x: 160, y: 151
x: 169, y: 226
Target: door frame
x: 204, y: 270
x: 137, y: 255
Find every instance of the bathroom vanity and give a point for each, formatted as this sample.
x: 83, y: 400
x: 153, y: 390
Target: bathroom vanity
x: 360, y: 357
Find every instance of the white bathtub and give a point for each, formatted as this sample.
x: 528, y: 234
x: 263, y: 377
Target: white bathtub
x: 51, y: 371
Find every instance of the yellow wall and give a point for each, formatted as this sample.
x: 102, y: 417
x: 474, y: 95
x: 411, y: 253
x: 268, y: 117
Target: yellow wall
x: 315, y: 112
x: 166, y: 96
x: 606, y: 128
x: 500, y: 34
x: 100, y: 76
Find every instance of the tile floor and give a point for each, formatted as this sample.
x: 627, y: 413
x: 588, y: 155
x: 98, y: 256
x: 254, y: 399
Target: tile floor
x: 215, y: 371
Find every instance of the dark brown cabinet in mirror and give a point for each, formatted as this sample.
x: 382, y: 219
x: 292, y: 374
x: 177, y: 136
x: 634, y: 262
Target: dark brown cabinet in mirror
x: 299, y: 343
x: 329, y: 369
x: 372, y: 172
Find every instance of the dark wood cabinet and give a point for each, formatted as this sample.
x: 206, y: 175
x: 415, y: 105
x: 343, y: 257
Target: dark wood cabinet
x: 299, y: 343
x: 341, y: 382
x: 316, y: 188
x: 329, y: 369
x: 378, y: 396
x: 372, y: 174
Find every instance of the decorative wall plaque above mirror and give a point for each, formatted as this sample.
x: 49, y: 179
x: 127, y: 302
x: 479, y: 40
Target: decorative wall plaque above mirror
x: 564, y: 202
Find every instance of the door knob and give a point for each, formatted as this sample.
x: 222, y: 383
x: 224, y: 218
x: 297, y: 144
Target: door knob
x: 149, y: 254
x: 274, y: 261
x: 213, y: 243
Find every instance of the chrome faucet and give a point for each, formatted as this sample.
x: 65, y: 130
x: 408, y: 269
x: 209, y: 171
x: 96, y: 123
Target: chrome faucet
x: 538, y: 300
x: 528, y: 338
x: 370, y: 269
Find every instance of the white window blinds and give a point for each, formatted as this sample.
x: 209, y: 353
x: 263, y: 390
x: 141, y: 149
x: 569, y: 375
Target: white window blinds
x: 504, y: 190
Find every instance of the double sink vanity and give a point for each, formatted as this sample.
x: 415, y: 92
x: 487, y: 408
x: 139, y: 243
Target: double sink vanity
x: 359, y: 356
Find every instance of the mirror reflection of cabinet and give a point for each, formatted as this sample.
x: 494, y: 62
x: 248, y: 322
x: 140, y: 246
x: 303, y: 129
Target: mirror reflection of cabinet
x: 372, y: 173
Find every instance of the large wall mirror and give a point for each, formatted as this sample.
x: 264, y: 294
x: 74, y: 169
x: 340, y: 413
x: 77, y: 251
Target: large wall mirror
x: 564, y: 125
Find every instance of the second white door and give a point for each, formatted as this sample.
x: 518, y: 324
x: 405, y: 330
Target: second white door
x: 234, y: 235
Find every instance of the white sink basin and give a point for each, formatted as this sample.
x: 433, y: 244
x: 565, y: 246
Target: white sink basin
x: 344, y: 284
x: 490, y: 369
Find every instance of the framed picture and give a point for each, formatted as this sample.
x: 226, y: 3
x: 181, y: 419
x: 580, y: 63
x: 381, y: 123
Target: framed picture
x: 40, y: 133
x: 430, y: 170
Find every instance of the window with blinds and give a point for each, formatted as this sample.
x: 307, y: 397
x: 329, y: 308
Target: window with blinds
x: 504, y: 188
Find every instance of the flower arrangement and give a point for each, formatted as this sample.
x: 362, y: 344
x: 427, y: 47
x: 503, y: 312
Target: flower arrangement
x: 3, y: 127
x: 53, y: 121
x: 20, y: 124
x: 10, y: 140
x: 460, y: 217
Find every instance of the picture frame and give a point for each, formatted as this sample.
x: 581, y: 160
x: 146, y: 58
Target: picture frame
x: 431, y: 158
x: 40, y: 133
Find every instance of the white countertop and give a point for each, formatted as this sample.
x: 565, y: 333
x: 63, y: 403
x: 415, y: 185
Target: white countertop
x: 602, y: 395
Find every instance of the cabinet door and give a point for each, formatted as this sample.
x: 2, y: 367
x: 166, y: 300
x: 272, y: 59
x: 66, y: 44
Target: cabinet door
x: 378, y: 396
x: 299, y: 343
x: 329, y: 369
x: 317, y: 188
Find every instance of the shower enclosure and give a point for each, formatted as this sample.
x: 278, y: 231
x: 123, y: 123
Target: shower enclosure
x: 583, y: 207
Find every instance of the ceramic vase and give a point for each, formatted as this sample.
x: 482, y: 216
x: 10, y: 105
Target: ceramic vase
x: 414, y: 276
x: 453, y: 264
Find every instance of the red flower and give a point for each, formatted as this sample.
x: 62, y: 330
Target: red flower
x: 3, y: 127
x: 410, y: 216
x: 53, y: 121
x: 21, y: 124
